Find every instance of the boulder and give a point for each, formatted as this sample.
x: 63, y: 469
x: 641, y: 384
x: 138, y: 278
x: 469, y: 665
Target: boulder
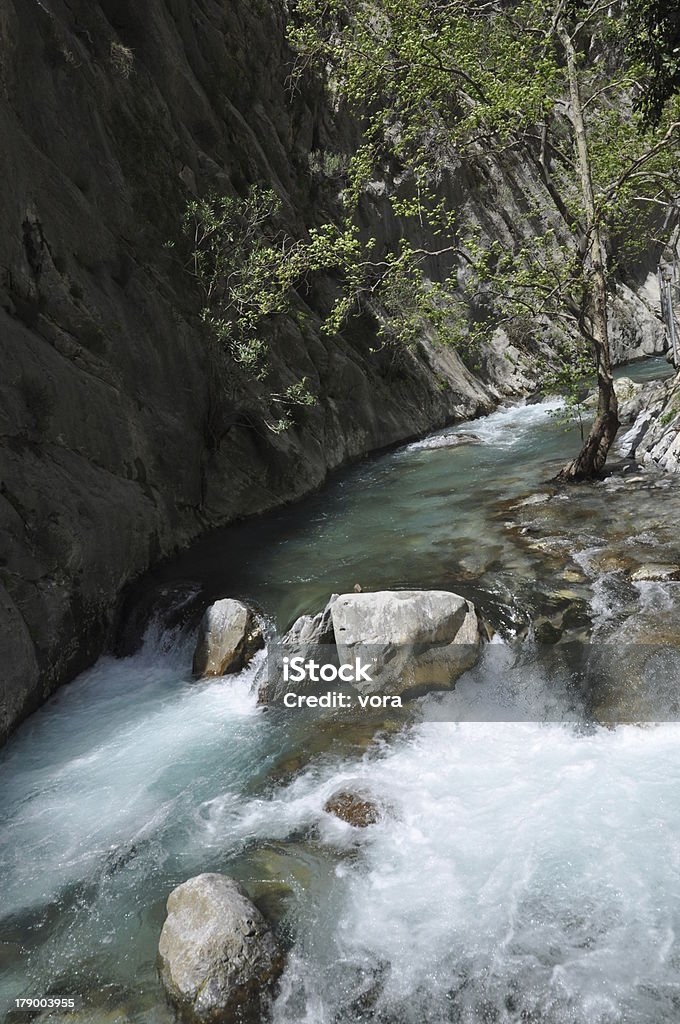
x: 307, y: 633
x: 449, y: 440
x: 228, y: 636
x: 656, y: 572
x: 311, y: 630
x: 354, y: 809
x: 627, y: 392
x: 416, y: 640
x: 218, y: 959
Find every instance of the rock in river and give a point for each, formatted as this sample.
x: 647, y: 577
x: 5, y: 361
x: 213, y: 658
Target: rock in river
x: 416, y: 640
x: 227, y: 639
x: 218, y: 958
x: 656, y: 572
x: 311, y: 630
x: 356, y: 810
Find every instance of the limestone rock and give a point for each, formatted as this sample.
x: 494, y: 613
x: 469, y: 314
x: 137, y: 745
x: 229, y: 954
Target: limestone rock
x: 218, y: 959
x: 312, y: 629
x: 626, y: 388
x: 227, y: 639
x: 654, y: 438
x: 416, y: 640
x: 636, y: 329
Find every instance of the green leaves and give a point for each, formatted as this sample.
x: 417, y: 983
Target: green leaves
x: 436, y: 86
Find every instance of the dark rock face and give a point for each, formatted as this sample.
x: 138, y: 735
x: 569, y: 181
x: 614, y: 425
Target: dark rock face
x: 218, y: 959
x: 123, y: 432
x: 122, y: 435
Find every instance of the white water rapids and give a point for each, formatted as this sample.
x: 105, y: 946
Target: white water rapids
x: 521, y: 873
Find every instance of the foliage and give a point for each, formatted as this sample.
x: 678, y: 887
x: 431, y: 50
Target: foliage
x: 122, y: 59
x: 652, y: 29
x: 441, y: 83
x: 437, y: 85
x: 247, y: 268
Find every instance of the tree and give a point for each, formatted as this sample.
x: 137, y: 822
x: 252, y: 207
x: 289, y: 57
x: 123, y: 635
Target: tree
x: 437, y: 82
x: 653, y: 34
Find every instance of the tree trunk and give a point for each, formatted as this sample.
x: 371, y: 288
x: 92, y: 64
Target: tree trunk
x: 591, y: 459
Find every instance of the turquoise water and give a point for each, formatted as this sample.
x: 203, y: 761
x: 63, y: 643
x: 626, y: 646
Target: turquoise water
x: 522, y: 872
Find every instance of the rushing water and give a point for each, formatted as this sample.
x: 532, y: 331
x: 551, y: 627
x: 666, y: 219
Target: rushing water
x: 522, y: 872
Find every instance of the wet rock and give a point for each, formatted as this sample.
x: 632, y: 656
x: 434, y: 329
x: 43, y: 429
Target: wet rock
x: 312, y: 629
x: 355, y: 810
x: 534, y: 499
x: 227, y: 639
x: 656, y: 572
x: 572, y: 576
x: 577, y: 616
x: 311, y: 636
x: 218, y: 958
x: 547, y: 633
x: 610, y: 561
x: 415, y: 639
x: 452, y: 440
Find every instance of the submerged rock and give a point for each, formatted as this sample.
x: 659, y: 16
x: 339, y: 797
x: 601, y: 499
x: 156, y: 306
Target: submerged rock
x: 218, y: 958
x: 539, y: 498
x: 354, y: 809
x: 547, y: 633
x: 656, y: 572
x: 228, y: 637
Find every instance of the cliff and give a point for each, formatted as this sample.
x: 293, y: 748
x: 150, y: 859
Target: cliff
x: 653, y: 439
x: 124, y: 432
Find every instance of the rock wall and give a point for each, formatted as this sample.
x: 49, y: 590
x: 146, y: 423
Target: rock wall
x: 124, y: 433
x: 654, y: 437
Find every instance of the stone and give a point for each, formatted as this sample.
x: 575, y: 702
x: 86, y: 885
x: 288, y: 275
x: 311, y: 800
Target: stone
x: 654, y: 438
x: 416, y: 640
x: 228, y: 636
x: 307, y: 633
x: 534, y: 499
x: 656, y: 572
x: 312, y: 629
x: 547, y: 633
x: 218, y: 959
x: 354, y: 809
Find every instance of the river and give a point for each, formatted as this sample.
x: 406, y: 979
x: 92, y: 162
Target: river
x: 524, y: 871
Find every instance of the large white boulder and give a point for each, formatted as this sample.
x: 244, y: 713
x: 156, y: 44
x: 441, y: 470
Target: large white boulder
x: 416, y: 640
